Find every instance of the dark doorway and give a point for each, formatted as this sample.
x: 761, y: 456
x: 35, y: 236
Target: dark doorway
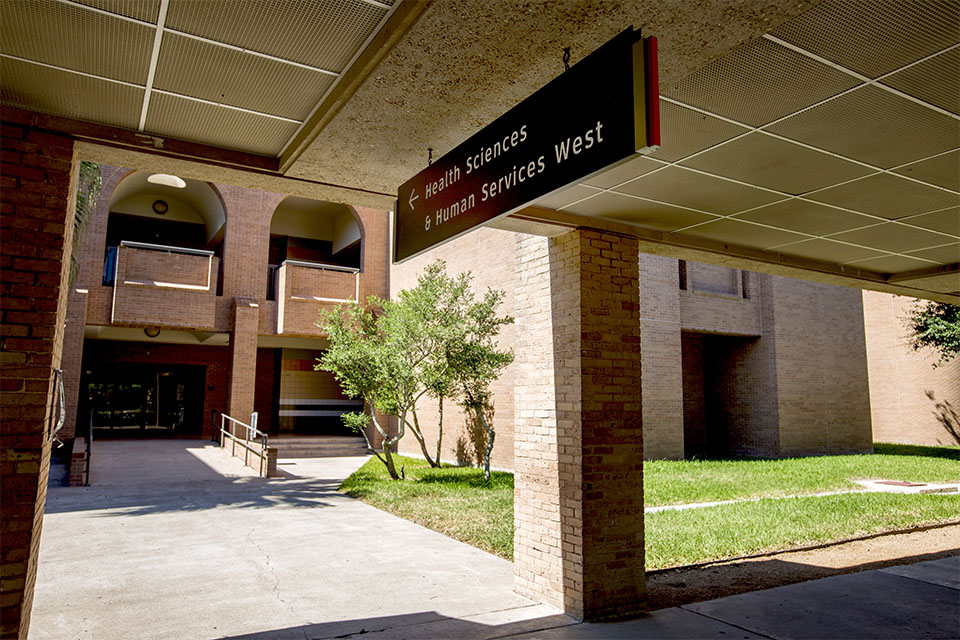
x: 145, y: 400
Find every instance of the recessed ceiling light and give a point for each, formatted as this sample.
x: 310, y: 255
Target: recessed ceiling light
x: 167, y: 180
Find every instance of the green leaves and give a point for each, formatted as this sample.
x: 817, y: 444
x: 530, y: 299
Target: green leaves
x: 89, y: 181
x: 435, y: 339
x: 935, y: 325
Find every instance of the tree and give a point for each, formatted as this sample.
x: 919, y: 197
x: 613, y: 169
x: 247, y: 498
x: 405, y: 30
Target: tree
x: 385, y: 354
x: 89, y: 181
x: 475, y: 362
x: 434, y: 339
x: 359, y: 359
x: 436, y: 311
x: 935, y: 325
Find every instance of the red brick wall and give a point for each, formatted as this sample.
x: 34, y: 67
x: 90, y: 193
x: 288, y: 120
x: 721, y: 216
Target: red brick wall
x: 142, y: 295
x: 36, y: 228
x: 215, y: 359
x: 263, y: 402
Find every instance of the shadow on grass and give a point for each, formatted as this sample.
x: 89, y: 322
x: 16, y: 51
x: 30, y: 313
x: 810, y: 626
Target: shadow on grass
x: 890, y: 449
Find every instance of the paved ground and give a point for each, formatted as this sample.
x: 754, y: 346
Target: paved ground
x: 174, y: 539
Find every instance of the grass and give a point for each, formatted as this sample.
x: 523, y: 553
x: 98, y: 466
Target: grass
x: 457, y: 502
x: 685, y: 481
x: 676, y: 538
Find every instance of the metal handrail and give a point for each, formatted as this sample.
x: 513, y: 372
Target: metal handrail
x: 252, y: 433
x: 61, y: 406
x: 166, y: 248
x: 321, y: 265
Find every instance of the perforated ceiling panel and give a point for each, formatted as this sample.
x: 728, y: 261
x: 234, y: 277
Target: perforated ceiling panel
x: 25, y: 85
x: 241, y: 74
x: 194, y: 68
x: 89, y: 42
x: 320, y: 34
x: 874, y: 37
x: 217, y: 126
x: 146, y: 10
x: 776, y: 164
x: 874, y: 126
x: 803, y: 157
x: 749, y: 85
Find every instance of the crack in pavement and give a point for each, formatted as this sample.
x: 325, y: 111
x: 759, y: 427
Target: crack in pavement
x: 272, y: 568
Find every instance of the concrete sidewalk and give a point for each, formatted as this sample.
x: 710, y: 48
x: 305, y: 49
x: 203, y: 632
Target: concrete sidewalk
x: 175, y: 539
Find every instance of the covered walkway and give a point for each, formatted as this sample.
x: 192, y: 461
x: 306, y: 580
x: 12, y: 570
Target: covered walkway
x: 175, y: 539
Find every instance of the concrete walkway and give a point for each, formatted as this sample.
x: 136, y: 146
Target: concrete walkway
x: 175, y: 539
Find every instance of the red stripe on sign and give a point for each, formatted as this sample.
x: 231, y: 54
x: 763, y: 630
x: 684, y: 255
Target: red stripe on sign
x: 653, y: 91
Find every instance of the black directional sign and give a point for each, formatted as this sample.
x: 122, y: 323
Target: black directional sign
x: 600, y: 112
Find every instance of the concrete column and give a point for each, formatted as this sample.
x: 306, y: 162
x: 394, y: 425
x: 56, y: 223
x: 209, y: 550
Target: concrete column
x: 243, y: 359
x: 35, y: 245
x: 579, y: 441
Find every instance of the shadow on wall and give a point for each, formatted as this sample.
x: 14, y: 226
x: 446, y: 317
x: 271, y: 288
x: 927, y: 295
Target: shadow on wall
x: 946, y: 415
x: 472, y: 442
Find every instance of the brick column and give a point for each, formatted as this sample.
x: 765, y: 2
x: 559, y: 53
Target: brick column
x: 243, y: 359
x: 73, y: 360
x: 35, y: 243
x: 579, y: 448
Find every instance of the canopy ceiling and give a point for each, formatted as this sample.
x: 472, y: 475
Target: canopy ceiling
x: 814, y: 139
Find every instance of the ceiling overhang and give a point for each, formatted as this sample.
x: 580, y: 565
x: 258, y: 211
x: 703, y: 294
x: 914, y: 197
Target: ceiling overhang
x: 811, y: 138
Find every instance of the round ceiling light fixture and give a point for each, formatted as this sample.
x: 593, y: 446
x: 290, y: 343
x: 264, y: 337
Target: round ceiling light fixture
x: 152, y: 332
x: 167, y: 180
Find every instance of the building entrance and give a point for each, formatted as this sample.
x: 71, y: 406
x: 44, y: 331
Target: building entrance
x: 145, y: 400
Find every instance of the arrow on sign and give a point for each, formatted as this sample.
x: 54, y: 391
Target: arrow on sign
x: 413, y: 196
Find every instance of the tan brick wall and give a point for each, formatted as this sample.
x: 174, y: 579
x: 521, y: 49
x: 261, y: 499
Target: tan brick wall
x: 660, y: 321
x: 492, y: 256
x: 823, y: 399
x: 72, y: 358
x: 910, y: 401
x: 579, y: 452
x: 36, y: 230
x: 538, y: 546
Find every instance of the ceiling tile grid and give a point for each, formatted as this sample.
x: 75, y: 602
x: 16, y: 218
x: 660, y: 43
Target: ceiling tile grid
x: 87, y: 41
x: 874, y: 37
x: 26, y: 84
x: 824, y: 178
x: 219, y: 74
x: 265, y: 64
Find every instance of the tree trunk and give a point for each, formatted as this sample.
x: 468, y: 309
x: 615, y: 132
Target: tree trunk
x: 388, y: 442
x: 492, y: 434
x: 440, y: 431
x: 415, y: 429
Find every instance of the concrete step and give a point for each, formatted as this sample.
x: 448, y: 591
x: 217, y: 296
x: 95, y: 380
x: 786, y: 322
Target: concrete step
x: 318, y: 447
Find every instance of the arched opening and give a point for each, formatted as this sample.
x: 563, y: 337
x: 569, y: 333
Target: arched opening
x: 164, y: 211
x: 314, y: 231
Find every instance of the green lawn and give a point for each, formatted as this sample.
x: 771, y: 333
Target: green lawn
x: 682, y: 481
x: 457, y: 501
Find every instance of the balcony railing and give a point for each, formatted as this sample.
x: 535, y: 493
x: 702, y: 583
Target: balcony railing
x: 302, y: 287
x: 164, y: 286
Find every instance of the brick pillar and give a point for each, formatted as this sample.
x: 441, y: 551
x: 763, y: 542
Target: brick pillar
x: 579, y: 448
x: 72, y: 362
x: 35, y: 243
x: 243, y: 359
